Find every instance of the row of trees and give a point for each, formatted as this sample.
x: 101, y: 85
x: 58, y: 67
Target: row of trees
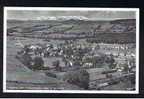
x: 38, y: 63
x: 120, y: 38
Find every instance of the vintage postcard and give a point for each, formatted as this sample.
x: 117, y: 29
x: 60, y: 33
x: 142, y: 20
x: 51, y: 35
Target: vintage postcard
x: 71, y: 50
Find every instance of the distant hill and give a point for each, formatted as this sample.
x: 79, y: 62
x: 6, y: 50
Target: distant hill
x: 128, y: 21
x: 72, y: 28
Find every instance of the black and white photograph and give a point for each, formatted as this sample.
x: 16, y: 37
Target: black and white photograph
x: 71, y: 50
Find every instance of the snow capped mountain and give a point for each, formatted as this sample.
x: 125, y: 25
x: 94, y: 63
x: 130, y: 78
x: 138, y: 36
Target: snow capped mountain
x: 45, y: 18
x: 61, y: 18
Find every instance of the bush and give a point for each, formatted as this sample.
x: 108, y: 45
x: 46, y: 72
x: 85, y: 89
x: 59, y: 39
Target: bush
x: 79, y: 78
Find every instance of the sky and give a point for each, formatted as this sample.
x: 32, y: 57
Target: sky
x: 91, y: 15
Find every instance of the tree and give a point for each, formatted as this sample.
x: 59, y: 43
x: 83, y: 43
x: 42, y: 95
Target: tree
x: 26, y: 48
x: 78, y: 77
x: 27, y: 59
x: 111, y: 62
x: 57, y: 65
x: 112, y: 66
x: 38, y: 62
x: 125, y: 67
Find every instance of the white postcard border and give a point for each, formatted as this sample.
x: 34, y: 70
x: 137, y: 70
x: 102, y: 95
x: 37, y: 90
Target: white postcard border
x: 70, y: 9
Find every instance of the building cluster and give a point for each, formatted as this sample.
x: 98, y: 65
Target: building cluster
x: 76, y: 55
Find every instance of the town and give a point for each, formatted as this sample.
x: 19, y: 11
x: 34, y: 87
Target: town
x: 74, y: 55
x: 100, y: 59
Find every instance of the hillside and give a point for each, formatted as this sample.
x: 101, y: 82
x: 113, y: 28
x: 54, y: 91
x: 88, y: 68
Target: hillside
x: 67, y: 29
